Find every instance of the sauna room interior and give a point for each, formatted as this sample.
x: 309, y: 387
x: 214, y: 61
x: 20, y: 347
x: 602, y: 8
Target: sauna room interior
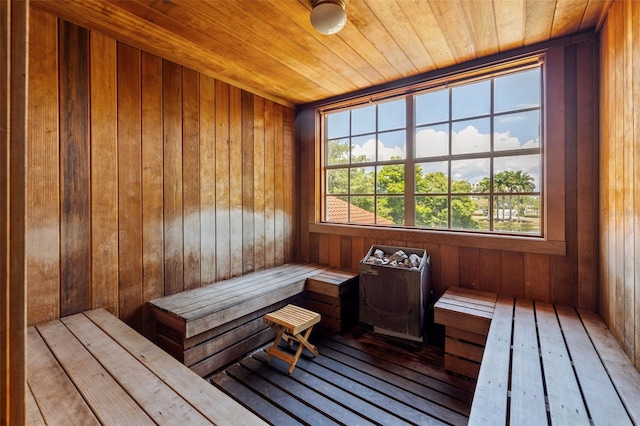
x: 150, y: 148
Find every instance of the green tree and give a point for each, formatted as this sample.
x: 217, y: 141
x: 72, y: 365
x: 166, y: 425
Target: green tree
x: 462, y: 207
x: 431, y: 210
x: 391, y: 181
x: 500, y: 182
x: 523, y: 182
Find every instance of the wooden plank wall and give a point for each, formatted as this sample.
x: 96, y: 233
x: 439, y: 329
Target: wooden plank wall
x: 620, y: 175
x: 509, y: 270
x: 14, y: 19
x: 145, y: 178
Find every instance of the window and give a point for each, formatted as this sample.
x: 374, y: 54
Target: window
x: 466, y: 156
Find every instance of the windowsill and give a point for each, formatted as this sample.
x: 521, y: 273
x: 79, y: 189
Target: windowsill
x: 459, y: 239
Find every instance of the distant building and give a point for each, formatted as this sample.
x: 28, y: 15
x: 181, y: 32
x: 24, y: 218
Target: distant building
x: 338, y: 211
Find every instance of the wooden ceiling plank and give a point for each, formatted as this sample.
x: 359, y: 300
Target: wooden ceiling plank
x: 110, y: 20
x: 427, y: 28
x: 268, y: 47
x: 389, y: 13
x: 509, y: 23
x: 452, y: 21
x: 568, y: 17
x: 189, y: 24
x: 482, y: 25
x: 362, y: 18
x: 328, y: 49
x: 538, y: 18
x: 261, y: 35
x: 591, y: 14
x: 292, y: 23
x: 368, y: 51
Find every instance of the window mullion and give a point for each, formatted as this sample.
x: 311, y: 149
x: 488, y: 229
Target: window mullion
x: 409, y: 168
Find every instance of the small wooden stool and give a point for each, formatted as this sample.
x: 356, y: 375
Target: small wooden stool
x: 289, y: 323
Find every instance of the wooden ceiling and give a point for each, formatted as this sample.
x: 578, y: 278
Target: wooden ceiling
x: 268, y: 47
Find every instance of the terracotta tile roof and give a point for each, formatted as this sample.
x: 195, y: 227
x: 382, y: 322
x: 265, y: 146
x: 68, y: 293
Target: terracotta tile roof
x: 338, y: 211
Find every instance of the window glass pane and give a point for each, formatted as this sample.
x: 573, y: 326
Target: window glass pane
x: 391, y: 179
x: 361, y: 210
x: 432, y: 141
x: 481, y: 213
x: 517, y: 91
x: 518, y: 173
x: 338, y: 151
x: 337, y: 124
x: 337, y: 181
x: 432, y: 107
x: 432, y: 178
x: 516, y: 131
x: 517, y: 214
x: 337, y: 209
x: 472, y: 162
x: 471, y: 136
x: 462, y: 211
x: 392, y: 115
x: 362, y: 180
x: 363, y: 120
x: 393, y: 145
x: 471, y: 100
x: 363, y: 148
x: 391, y: 208
x: 470, y: 175
x: 432, y: 211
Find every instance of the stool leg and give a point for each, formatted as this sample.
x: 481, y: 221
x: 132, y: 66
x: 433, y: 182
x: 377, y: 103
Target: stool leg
x: 304, y: 343
x: 276, y: 342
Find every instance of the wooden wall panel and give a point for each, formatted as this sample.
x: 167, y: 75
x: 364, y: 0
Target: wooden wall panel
x: 289, y: 188
x: 43, y: 200
x: 235, y: 182
x: 152, y: 179
x: 207, y: 180
x: 620, y: 175
x: 269, y: 184
x: 248, y: 235
x: 278, y: 185
x: 129, y: 186
x: 104, y: 173
x: 162, y: 178
x: 75, y: 184
x: 223, y: 177
x: 173, y: 219
x: 14, y: 138
x: 191, y: 177
x: 259, y: 216
x: 507, y: 268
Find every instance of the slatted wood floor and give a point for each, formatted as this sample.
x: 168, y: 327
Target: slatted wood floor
x: 358, y: 378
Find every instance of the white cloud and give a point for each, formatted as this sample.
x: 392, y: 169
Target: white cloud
x: 469, y: 140
x: 435, y: 143
x: 431, y: 143
x: 384, y: 153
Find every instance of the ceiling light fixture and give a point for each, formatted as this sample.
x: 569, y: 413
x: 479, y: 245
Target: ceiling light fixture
x: 328, y: 16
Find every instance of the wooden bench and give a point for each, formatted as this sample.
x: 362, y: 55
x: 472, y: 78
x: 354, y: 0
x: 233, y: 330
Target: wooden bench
x: 551, y: 364
x: 91, y: 368
x: 334, y: 294
x: 466, y: 315
x: 209, y: 327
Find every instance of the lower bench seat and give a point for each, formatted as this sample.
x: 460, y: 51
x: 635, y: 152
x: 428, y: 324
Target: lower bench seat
x: 209, y: 327
x: 91, y: 368
x: 551, y: 364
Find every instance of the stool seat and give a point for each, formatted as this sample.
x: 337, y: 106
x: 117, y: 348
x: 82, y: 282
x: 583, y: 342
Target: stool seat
x: 291, y: 324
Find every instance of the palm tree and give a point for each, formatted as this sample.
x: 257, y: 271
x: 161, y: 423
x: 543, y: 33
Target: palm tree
x: 523, y: 183
x: 500, y: 181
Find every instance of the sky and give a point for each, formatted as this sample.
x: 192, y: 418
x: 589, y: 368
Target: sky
x: 511, y: 130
